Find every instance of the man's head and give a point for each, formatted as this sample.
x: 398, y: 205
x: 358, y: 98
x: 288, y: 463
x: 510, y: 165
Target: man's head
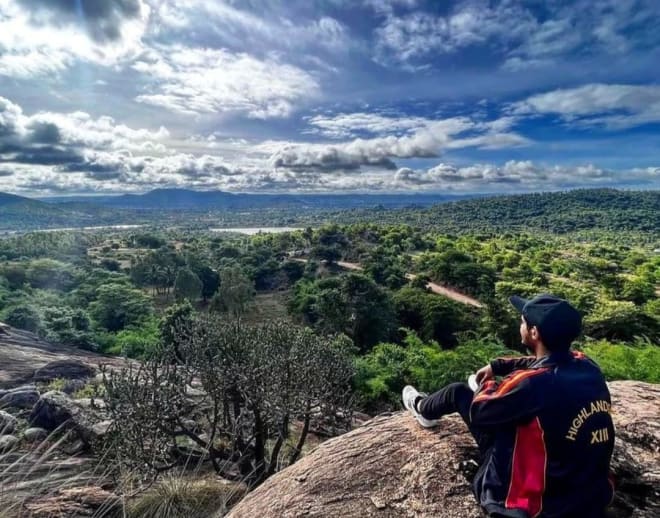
x: 547, y: 321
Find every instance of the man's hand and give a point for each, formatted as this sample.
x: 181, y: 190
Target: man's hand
x: 484, y: 374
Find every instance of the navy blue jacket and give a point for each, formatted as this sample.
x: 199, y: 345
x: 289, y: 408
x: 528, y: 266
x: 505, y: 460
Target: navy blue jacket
x: 554, y: 436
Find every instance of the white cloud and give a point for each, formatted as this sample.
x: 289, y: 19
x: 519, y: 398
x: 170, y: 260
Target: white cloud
x: 44, y: 38
x: 394, y: 137
x: 523, y: 36
x: 613, y: 106
x: 418, y: 35
x: 520, y: 175
x: 193, y: 81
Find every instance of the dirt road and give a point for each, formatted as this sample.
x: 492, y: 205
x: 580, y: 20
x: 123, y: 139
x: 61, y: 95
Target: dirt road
x: 450, y: 293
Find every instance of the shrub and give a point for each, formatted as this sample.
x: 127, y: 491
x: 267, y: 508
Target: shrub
x: 180, y: 497
x: 23, y: 317
x: 639, y: 361
x: 382, y: 374
x: 255, y: 381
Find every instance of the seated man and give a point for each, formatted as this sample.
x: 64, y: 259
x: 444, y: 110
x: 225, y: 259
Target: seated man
x: 544, y: 432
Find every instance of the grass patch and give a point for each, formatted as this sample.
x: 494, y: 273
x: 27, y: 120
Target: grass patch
x: 183, y: 497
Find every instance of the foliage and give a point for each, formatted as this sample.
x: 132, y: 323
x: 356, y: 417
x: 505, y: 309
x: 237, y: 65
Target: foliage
x: 181, y: 496
x: 187, y: 285
x: 351, y: 303
x: 118, y: 306
x: 235, y: 292
x: 255, y: 381
x: 382, y: 373
x: 23, y: 317
x: 638, y: 361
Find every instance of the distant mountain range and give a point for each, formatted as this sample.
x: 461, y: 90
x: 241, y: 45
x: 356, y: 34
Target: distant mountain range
x: 165, y: 199
x: 561, y: 211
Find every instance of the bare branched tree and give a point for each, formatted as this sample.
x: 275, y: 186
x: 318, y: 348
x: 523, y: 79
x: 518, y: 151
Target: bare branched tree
x: 258, y: 389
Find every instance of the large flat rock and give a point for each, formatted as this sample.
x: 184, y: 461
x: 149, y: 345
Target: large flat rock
x: 391, y: 467
x: 22, y: 352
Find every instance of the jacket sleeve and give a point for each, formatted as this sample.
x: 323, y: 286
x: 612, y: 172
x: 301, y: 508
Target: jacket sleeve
x: 512, y: 401
x: 505, y: 366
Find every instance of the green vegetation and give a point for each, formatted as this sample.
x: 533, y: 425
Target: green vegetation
x: 127, y: 292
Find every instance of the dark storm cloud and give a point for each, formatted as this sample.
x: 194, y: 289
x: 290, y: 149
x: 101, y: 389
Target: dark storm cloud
x: 101, y: 18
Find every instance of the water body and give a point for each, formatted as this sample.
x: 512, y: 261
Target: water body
x: 71, y: 229
x: 250, y: 231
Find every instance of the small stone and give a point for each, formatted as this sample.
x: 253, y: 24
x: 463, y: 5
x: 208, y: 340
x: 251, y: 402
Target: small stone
x: 8, y: 443
x: 7, y: 423
x: 35, y: 434
x: 101, y: 428
x: 378, y: 502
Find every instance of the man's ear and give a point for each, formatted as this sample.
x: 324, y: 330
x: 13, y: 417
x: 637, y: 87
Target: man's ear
x: 534, y: 333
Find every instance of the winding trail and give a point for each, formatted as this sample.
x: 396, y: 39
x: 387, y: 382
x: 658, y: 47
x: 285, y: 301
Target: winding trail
x: 445, y: 291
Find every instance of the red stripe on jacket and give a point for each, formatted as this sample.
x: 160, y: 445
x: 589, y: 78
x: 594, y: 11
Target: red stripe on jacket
x: 528, y: 469
x: 508, y: 384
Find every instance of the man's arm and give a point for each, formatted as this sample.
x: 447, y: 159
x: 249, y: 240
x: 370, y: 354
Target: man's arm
x: 511, y: 401
x: 506, y: 365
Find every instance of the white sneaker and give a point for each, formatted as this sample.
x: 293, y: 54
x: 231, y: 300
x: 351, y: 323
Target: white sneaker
x: 409, y: 395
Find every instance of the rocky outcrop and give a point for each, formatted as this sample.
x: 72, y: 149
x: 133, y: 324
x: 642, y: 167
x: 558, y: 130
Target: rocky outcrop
x: 21, y: 397
x: 79, y: 501
x: 23, y: 355
x: 63, y: 369
x: 56, y: 410
x: 391, y: 467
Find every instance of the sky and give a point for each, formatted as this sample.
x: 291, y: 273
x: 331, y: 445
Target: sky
x: 446, y: 96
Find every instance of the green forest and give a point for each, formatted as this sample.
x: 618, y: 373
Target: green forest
x: 117, y: 292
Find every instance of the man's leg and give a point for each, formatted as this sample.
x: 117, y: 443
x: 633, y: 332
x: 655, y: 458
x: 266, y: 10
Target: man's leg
x: 455, y: 397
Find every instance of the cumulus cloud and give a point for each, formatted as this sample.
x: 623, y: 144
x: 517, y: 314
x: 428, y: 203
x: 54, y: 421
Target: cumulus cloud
x: 414, y: 137
x: 520, y: 175
x: 42, y: 38
x: 193, y: 80
x: 611, y: 105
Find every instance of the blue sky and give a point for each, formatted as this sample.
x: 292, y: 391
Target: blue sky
x: 328, y: 96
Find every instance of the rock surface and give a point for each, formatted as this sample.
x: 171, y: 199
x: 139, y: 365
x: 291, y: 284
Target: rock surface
x: 7, y: 423
x: 67, y: 369
x: 391, y: 467
x: 21, y: 397
x: 22, y: 353
x: 8, y: 442
x: 35, y: 434
x: 55, y: 409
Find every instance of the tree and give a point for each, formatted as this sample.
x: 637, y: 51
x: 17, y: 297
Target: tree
x: 210, y: 281
x: 118, y: 306
x: 352, y: 304
x: 176, y: 325
x: 187, y: 285
x: 23, y: 317
x: 235, y: 292
x: 326, y: 253
x: 255, y: 382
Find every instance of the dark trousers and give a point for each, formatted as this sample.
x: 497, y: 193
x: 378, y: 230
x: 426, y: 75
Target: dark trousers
x: 455, y: 397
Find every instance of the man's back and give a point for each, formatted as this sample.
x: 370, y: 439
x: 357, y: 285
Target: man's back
x: 552, y: 458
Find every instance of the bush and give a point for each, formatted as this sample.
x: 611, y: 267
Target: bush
x: 640, y: 361
x: 180, y: 497
x: 255, y: 381
x: 382, y: 374
x: 23, y: 317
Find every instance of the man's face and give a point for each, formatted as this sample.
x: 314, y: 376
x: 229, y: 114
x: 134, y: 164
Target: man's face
x: 526, y: 335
